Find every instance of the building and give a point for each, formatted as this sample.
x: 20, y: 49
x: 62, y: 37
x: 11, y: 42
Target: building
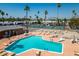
x: 11, y: 30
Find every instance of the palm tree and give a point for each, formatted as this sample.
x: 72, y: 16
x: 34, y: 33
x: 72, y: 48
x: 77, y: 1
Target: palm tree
x: 36, y: 17
x: 74, y: 13
x: 2, y: 13
x: 65, y: 22
x: 58, y: 6
x: 27, y: 9
x: 0, y: 10
x: 38, y: 13
x: 46, y: 12
x: 38, y: 20
x: 30, y: 17
x: 7, y: 14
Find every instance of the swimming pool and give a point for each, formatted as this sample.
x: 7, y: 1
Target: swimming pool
x: 36, y: 42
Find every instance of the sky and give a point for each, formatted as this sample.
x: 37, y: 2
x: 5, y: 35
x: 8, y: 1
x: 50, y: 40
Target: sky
x: 17, y: 9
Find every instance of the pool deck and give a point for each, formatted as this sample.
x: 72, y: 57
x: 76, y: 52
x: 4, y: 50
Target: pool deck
x: 68, y: 49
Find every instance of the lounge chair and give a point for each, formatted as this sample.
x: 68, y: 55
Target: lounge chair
x: 5, y: 44
x: 13, y: 54
x: 12, y: 42
x: 26, y: 34
x: 1, y: 54
x: 1, y: 51
x: 76, y: 53
x: 61, y: 39
x: 38, y: 53
x: 5, y: 54
x: 74, y: 41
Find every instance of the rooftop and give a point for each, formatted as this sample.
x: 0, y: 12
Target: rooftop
x: 3, y: 28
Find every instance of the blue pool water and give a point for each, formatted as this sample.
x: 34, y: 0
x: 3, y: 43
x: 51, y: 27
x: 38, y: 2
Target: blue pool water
x: 37, y: 42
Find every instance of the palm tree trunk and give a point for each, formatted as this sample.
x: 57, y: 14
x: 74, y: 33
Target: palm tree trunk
x: 27, y: 25
x: 64, y: 24
x: 26, y: 14
x: 58, y: 16
x: 2, y: 18
x: 45, y: 18
x: 27, y: 22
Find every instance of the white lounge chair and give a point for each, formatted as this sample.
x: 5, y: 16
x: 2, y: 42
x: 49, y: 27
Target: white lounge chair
x: 61, y: 39
x: 76, y: 53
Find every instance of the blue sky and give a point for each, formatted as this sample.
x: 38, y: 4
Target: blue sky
x: 17, y: 9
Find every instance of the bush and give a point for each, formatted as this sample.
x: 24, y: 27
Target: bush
x: 74, y: 23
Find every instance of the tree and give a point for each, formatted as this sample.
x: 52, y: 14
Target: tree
x: 74, y: 23
x: 2, y: 13
x: 36, y: 17
x: 30, y: 17
x: 65, y: 22
x: 27, y: 9
x: 46, y: 12
x: 38, y: 20
x: 38, y: 14
x: 58, y: 6
x: 7, y: 14
x: 74, y: 13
